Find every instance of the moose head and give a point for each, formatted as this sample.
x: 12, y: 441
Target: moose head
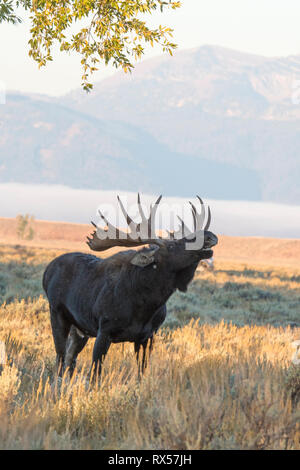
x: 180, y: 250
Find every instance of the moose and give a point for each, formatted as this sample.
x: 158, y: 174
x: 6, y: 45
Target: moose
x: 123, y: 297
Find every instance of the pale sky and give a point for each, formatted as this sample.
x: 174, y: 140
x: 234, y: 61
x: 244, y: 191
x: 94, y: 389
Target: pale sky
x: 264, y: 27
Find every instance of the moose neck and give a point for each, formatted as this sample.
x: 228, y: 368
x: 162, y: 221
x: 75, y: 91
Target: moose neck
x: 153, y: 285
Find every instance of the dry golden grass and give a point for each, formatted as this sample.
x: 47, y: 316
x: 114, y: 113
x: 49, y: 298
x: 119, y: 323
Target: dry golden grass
x: 207, y: 387
x: 210, y: 384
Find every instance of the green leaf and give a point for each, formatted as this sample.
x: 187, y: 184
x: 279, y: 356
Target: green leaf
x: 114, y: 31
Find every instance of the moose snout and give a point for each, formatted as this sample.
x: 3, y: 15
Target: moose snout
x: 210, y: 239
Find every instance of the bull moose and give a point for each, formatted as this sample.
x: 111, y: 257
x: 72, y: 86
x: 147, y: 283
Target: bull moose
x: 123, y: 297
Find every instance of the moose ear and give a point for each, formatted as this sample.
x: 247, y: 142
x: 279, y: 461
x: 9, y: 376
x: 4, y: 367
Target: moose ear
x: 144, y: 258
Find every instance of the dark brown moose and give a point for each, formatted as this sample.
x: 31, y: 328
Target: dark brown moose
x: 123, y: 297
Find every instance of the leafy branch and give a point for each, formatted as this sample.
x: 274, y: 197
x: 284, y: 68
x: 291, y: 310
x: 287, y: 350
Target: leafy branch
x: 109, y: 31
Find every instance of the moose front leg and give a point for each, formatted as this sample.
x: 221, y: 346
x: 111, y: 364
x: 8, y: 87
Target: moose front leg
x: 75, y: 345
x: 101, y: 347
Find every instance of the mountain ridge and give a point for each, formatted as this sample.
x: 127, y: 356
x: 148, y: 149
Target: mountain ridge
x: 44, y: 142
x: 210, y: 117
x: 214, y: 103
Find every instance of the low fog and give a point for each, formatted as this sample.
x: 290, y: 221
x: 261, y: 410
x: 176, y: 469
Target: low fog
x: 59, y: 203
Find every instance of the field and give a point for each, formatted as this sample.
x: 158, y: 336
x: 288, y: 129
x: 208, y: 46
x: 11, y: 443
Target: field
x: 220, y: 377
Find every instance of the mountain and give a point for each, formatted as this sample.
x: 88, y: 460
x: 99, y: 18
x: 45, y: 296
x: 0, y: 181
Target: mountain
x: 208, y: 121
x: 44, y: 142
x: 214, y: 104
x: 219, y: 81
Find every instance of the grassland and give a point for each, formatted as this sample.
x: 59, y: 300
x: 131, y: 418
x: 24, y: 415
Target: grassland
x: 220, y: 376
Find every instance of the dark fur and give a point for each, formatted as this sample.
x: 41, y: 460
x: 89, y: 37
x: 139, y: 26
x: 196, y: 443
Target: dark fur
x: 112, y: 299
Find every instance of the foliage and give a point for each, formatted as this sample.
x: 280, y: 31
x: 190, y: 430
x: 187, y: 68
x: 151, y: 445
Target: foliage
x: 24, y: 226
x: 108, y: 30
x: 7, y: 12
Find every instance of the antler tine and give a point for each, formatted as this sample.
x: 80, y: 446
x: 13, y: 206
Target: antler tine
x: 184, y: 228
x: 201, y: 216
x: 208, y: 219
x: 144, y: 219
x: 194, y: 213
x: 153, y: 210
x: 111, y: 228
x: 150, y: 221
x: 127, y: 217
x: 109, y: 225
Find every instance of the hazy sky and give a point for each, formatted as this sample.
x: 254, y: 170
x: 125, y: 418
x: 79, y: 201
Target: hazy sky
x: 266, y: 27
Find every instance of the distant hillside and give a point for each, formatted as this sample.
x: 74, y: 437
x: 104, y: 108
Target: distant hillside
x: 215, y: 104
x: 44, y: 142
x: 208, y: 120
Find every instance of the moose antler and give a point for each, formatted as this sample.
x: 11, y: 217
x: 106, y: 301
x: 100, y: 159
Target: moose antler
x: 140, y: 233
x: 198, y: 219
x: 144, y: 232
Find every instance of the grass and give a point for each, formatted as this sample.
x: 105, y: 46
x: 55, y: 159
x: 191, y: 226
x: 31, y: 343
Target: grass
x: 220, y: 376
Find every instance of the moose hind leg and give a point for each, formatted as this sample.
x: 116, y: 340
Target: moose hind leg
x: 60, y: 330
x: 75, y: 345
x: 137, y: 346
x: 144, y: 359
x: 101, y: 347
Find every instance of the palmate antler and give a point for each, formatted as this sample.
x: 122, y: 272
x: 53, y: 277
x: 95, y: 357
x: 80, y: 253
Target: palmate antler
x: 198, y: 219
x: 143, y: 233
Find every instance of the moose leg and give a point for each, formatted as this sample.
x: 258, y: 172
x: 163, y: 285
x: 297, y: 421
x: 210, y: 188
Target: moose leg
x: 137, y: 347
x: 75, y: 345
x: 60, y: 330
x: 151, y: 345
x: 101, y: 347
x: 144, y: 359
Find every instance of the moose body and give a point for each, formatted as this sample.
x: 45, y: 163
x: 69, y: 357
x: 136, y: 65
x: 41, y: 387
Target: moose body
x: 116, y: 299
